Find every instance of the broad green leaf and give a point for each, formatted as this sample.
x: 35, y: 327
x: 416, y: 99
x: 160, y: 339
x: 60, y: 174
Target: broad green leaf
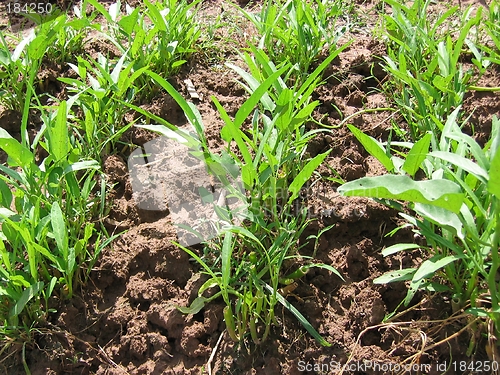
x: 304, y: 175
x: 178, y: 63
x: 17, y: 152
x: 477, y: 311
x: 19, y: 280
x: 399, y: 247
x: 373, y: 147
x: 415, y: 285
x: 196, y: 306
x: 114, y: 11
x: 71, y: 262
x: 138, y: 42
x: 50, y: 287
x: 438, y: 215
x: 5, y: 194
x: 20, y: 47
x: 27, y: 295
x: 430, y: 266
x: 392, y: 276
x: 417, y: 155
x: 438, y: 192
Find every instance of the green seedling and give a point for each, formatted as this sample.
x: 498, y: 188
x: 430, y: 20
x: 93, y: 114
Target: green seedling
x: 298, y: 32
x: 41, y: 251
x: 19, y: 69
x: 424, y: 63
x: 160, y: 37
x: 457, y: 213
x: 247, y: 265
x: 98, y: 92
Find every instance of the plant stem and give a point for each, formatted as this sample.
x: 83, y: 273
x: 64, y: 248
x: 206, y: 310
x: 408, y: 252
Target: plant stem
x: 483, y: 89
x: 368, y: 110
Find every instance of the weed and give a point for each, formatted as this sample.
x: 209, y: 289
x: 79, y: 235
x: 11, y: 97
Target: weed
x: 457, y: 210
x: 246, y: 264
x: 428, y: 81
x: 298, y: 31
x: 42, y: 249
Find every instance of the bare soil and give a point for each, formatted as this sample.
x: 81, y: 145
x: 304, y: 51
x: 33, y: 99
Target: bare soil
x: 125, y: 321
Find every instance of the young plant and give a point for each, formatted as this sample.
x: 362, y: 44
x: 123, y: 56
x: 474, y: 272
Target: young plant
x: 98, y: 92
x: 248, y: 264
x: 162, y: 37
x: 492, y: 26
x: 70, y: 40
x: 457, y: 213
x: 19, y: 69
x: 425, y: 64
x: 42, y: 251
x: 298, y: 31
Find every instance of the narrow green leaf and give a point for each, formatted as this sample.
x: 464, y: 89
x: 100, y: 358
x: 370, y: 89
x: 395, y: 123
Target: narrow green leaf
x: 17, y: 152
x: 249, y: 104
x: 115, y: 74
x: 227, y: 252
x: 156, y: 16
x: 59, y: 230
x: 188, y: 110
x: 304, y: 175
x: 417, y: 155
x: 392, y: 276
x: 299, y: 316
x: 101, y: 9
x: 399, y: 247
x: 463, y: 163
x: 27, y: 295
x: 196, y: 306
x: 46, y: 253
x: 81, y: 165
x: 322, y: 265
x: 58, y: 133
x: 235, y: 133
x: 253, y: 84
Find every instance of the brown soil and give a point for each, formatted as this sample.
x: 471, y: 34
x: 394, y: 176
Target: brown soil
x: 125, y: 321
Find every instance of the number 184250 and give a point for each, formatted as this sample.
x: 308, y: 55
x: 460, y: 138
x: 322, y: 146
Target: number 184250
x: 18, y: 7
x: 475, y: 366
